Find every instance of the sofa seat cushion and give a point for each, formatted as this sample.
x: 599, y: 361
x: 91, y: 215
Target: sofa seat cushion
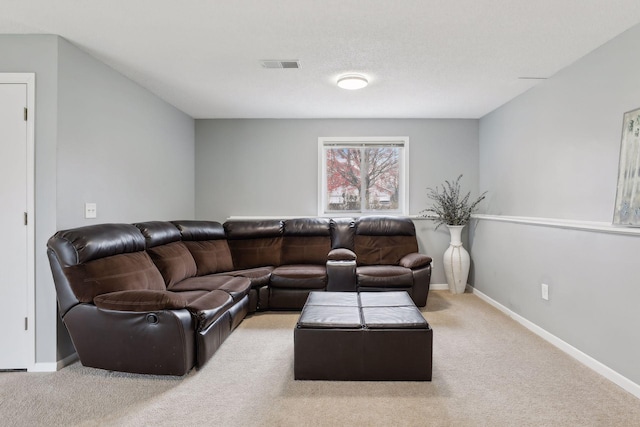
x: 211, y: 256
x: 299, y: 277
x: 259, y: 276
x: 141, y: 300
x: 123, y: 272
x: 384, y: 276
x: 209, y: 307
x: 237, y: 287
x: 174, y: 262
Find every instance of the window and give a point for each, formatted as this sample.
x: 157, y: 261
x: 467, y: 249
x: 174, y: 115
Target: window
x: 363, y: 175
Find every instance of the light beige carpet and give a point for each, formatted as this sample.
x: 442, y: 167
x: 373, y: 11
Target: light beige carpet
x: 487, y: 371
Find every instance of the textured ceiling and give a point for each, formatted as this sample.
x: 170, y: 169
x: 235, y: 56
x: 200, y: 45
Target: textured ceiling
x: 424, y: 58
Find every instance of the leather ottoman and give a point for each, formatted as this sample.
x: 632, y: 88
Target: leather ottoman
x: 377, y: 336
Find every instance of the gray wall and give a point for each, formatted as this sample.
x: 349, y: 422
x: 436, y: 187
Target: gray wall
x: 119, y: 146
x: 99, y: 138
x: 270, y: 167
x: 553, y: 153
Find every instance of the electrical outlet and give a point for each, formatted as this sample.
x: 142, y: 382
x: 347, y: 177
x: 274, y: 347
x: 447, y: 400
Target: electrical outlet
x: 90, y: 210
x: 545, y: 291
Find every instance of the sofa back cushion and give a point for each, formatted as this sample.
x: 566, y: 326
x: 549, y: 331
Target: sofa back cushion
x: 174, y: 261
x: 158, y: 233
x: 252, y: 253
x: 384, y: 240
x: 169, y: 254
x: 200, y: 230
x: 383, y: 250
x: 254, y: 243
x: 84, y: 244
x: 305, y: 250
x: 207, y: 243
x: 211, y: 256
x: 306, y: 241
x: 123, y: 272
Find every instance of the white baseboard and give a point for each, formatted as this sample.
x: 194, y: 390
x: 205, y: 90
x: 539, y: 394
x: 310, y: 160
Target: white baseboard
x: 67, y: 360
x: 53, y: 366
x: 43, y: 367
x: 581, y: 357
x: 439, y: 287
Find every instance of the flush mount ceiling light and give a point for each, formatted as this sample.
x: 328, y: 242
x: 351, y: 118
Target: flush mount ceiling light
x: 352, y: 81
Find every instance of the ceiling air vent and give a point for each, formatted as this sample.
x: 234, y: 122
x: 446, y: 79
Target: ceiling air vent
x: 279, y: 63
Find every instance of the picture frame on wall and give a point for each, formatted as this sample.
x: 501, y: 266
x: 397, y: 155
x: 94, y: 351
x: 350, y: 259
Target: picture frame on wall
x: 627, y: 207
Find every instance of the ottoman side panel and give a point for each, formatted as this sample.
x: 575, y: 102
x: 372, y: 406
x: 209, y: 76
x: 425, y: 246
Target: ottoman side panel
x: 398, y: 354
x: 328, y: 354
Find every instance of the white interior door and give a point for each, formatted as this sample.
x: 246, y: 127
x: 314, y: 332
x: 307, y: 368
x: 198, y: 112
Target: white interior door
x: 17, y: 340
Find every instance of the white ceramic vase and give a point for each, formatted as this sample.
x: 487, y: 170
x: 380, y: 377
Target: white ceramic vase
x: 456, y: 261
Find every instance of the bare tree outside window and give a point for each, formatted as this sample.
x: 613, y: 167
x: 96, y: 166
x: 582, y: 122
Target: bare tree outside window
x: 362, y: 178
x: 343, y: 179
x: 382, y: 178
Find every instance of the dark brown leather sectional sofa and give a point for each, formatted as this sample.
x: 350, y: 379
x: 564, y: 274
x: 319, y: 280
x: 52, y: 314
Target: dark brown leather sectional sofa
x: 161, y: 297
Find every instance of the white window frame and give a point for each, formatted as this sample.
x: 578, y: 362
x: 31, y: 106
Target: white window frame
x: 363, y: 141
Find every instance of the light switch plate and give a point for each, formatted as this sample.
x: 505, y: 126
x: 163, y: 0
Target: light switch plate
x: 545, y: 291
x: 90, y: 210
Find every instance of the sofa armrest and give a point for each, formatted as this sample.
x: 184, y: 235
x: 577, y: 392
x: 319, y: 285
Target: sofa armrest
x: 415, y: 260
x: 341, y: 254
x: 140, y: 300
x: 161, y: 342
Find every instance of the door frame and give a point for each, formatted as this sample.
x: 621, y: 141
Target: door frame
x: 29, y: 79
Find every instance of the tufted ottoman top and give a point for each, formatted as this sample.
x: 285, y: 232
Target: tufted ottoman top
x: 351, y: 310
